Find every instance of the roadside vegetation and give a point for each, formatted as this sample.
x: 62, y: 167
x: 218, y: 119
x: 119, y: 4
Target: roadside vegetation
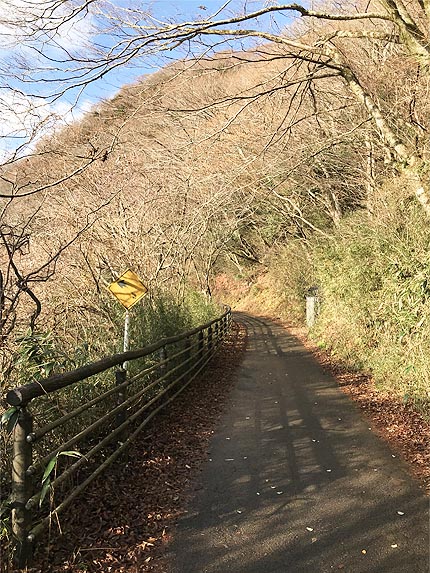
x: 252, y: 175
x: 372, y: 275
x: 40, y: 354
x: 244, y: 174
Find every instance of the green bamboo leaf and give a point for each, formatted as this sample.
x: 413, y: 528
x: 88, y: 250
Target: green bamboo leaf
x: 50, y: 466
x: 8, y: 415
x: 46, y: 487
x: 5, y: 508
x: 11, y: 423
x: 70, y: 454
x: 9, y: 419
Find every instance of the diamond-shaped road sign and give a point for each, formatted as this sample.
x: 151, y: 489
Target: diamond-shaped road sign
x: 128, y: 289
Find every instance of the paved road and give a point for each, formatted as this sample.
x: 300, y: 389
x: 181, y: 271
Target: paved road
x: 296, y: 481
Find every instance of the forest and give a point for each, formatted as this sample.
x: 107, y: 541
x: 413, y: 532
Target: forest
x: 299, y: 160
x: 275, y: 148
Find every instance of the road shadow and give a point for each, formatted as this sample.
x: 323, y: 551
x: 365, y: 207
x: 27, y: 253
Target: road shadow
x: 296, y: 481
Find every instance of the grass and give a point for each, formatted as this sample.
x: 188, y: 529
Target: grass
x: 40, y: 354
x: 375, y: 279
x: 373, y: 275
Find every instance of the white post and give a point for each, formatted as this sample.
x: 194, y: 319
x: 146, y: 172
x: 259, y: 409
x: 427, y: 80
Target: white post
x: 310, y: 311
x: 312, y: 306
x: 126, y: 334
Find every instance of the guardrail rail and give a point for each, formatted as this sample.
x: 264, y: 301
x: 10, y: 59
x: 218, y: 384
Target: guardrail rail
x: 38, y: 471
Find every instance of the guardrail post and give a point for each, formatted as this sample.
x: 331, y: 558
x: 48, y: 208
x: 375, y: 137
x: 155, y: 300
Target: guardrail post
x: 216, y: 334
x: 21, y: 486
x: 200, y: 346
x: 209, y: 338
x: 163, y: 358
x: 187, y: 354
x: 120, y: 377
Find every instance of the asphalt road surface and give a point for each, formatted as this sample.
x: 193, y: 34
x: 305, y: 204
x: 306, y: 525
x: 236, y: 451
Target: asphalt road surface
x: 296, y: 480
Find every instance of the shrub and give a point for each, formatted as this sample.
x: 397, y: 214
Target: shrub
x: 375, y: 279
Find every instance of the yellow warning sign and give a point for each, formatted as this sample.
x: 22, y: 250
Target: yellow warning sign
x: 128, y: 289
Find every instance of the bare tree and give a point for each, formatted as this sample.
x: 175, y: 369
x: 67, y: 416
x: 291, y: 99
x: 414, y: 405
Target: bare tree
x: 326, y: 45
x: 262, y: 108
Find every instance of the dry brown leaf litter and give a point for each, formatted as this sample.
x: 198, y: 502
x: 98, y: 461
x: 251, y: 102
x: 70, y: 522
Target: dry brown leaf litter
x: 137, y: 503
x: 120, y: 522
x: 403, y: 428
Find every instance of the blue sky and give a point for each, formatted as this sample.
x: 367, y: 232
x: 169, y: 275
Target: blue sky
x: 165, y: 10
x: 168, y: 10
x: 16, y: 92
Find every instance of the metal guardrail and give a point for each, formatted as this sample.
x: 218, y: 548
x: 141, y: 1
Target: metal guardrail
x: 170, y: 365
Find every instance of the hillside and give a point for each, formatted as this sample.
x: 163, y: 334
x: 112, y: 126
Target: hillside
x: 255, y: 169
x: 271, y: 154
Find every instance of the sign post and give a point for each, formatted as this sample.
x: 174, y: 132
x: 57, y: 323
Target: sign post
x: 126, y: 334
x: 128, y: 290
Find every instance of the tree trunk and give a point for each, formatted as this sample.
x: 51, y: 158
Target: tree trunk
x: 412, y: 165
x: 370, y: 175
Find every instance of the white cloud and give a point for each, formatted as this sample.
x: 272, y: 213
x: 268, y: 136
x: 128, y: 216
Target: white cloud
x: 39, y: 21
x: 25, y: 120
x: 55, y: 29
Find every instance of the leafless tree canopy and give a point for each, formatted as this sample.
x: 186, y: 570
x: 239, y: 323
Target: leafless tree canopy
x: 259, y: 127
